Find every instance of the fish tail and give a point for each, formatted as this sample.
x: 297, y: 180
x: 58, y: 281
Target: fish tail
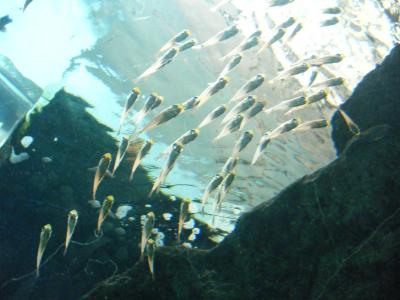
x: 165, y: 47
x: 262, y: 48
x: 204, y: 200
x: 256, y: 156
x: 134, y: 167
x: 139, y: 117
x: 156, y: 185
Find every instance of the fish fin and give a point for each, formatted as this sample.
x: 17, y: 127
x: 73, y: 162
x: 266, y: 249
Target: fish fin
x: 110, y: 174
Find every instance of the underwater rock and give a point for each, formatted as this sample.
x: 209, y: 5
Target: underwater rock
x: 34, y: 193
x: 333, y: 234
x: 375, y: 101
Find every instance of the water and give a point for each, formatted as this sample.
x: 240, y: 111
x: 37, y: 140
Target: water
x: 95, y: 49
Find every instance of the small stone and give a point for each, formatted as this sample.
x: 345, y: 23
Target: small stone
x: 167, y: 216
x: 26, y: 141
x: 122, y: 211
x: 189, y: 224
x: 119, y: 231
x: 187, y: 245
x: 46, y: 160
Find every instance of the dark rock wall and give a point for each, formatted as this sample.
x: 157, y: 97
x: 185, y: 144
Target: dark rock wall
x: 375, y: 101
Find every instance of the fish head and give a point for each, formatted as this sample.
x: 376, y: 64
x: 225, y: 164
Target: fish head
x: 73, y: 214
x: 136, y: 90
x: 108, y: 202
x: 339, y: 57
x: 107, y: 156
x: 186, y: 200
x: 195, y: 132
x: 177, y: 147
x: 249, y: 134
x: 187, y: 32
x: 295, y: 121
x: 259, y: 77
x: 180, y: 107
x: 47, y: 229
x: 150, y: 216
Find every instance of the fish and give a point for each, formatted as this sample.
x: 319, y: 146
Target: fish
x: 122, y: 147
x: 314, y: 124
x: 329, y: 83
x: 220, y: 4
x: 262, y: 144
x: 164, y: 116
x: 247, y: 44
x: 324, y: 60
x: 273, y: 3
x: 313, y: 76
x: 183, y: 213
x: 353, y: 127
x: 190, y: 103
x: 4, y: 21
x: 187, y: 45
x: 45, y: 235
x: 161, y: 62
x: 71, y: 224
x: 130, y: 101
x: 332, y: 10
x: 101, y: 172
x: 224, y: 188
x: 214, y: 114
x: 229, y: 165
x: 231, y: 65
x: 220, y: 37
x: 144, y: 150
x: 146, y: 232
x: 211, y: 90
x: 294, y: 70
x: 240, y: 107
x: 251, y: 85
x: 152, y: 102
x: 151, y: 250
x: 280, y: 32
x: 286, y: 24
x: 184, y: 139
x: 173, y: 156
x: 103, y: 213
x: 284, y: 128
x: 242, y: 142
x: 26, y: 4
x: 212, y: 186
x: 330, y: 22
x: 253, y: 111
x: 295, y: 31
x: 232, y: 126
x: 177, y: 38
x: 320, y: 95
x: 284, y: 105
